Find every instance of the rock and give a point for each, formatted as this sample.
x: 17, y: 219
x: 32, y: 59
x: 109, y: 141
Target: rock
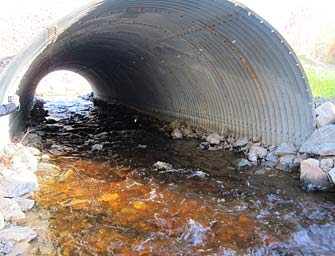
x: 97, y: 147
x: 186, y: 132
x: 19, y: 249
x: 322, y: 142
x: 163, y: 166
x: 243, y: 163
x: 24, y: 204
x: 45, y: 157
x: 34, y: 151
x: 204, y: 145
x: 6, y: 247
x: 11, y: 210
x: 327, y: 164
x: 2, y: 221
x: 259, y: 151
x: 286, y: 163
x: 253, y: 158
x: 271, y: 159
x: 331, y: 174
x: 286, y: 149
x: 312, y: 177
x: 195, y: 234
x: 17, y: 234
x: 241, y: 142
x: 176, y: 134
x: 14, y: 184
x: 325, y: 114
x: 214, y: 139
x: 297, y: 161
x: 24, y: 161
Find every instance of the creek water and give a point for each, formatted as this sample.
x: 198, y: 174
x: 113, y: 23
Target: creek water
x: 120, y: 186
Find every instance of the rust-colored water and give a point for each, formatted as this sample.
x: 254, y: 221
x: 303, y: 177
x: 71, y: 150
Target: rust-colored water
x: 116, y: 201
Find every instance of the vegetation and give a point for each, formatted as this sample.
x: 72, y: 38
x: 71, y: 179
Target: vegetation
x: 321, y: 77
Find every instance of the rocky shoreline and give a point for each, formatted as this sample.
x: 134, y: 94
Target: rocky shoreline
x: 315, y: 158
x: 17, y: 183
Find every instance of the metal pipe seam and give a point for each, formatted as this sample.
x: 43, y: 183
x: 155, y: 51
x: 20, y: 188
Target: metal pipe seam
x: 213, y: 64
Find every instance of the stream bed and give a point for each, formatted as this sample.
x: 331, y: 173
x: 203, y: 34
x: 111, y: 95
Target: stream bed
x: 120, y: 186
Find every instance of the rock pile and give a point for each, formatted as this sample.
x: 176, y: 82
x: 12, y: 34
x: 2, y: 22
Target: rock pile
x: 285, y: 157
x: 315, y: 158
x: 17, y: 182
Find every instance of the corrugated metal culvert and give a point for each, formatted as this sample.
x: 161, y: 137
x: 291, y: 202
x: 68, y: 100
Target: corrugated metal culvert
x: 212, y: 63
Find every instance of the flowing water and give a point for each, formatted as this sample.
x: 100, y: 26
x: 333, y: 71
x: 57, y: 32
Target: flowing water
x: 121, y: 187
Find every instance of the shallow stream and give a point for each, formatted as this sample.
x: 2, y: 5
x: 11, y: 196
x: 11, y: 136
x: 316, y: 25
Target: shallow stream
x: 121, y: 187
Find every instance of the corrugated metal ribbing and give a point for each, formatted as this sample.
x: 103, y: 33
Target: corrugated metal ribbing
x: 211, y: 63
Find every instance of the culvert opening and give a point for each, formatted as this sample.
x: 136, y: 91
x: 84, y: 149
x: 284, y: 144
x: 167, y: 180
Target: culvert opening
x: 62, y: 85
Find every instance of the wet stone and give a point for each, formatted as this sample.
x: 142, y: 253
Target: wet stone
x: 243, y: 163
x: 312, y: 177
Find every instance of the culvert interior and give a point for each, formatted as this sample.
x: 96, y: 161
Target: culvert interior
x: 213, y: 64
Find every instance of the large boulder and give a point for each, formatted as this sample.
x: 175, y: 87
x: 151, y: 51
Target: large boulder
x: 322, y: 142
x: 312, y: 177
x: 325, y: 114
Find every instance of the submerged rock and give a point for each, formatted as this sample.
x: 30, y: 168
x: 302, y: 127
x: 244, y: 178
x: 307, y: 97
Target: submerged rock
x: 312, y: 177
x: 195, y: 234
x: 322, y: 142
x: 325, y: 114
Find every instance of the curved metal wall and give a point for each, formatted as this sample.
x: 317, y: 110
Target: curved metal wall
x: 212, y: 63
